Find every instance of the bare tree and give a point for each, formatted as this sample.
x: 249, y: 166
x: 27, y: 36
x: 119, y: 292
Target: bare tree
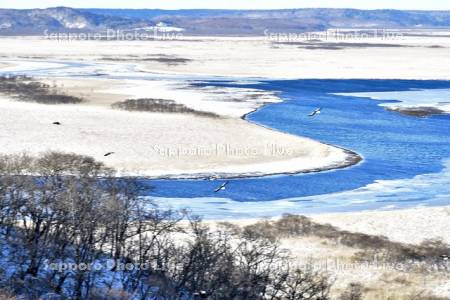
x: 70, y: 209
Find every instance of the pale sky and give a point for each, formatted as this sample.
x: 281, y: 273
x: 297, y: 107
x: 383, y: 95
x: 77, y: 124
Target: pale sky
x: 232, y: 4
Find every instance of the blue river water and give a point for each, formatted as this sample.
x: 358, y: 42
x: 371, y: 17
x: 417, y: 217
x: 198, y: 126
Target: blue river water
x: 394, y: 147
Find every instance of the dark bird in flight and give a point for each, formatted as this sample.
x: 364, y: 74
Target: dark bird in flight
x: 221, y: 187
x: 109, y: 153
x: 315, y: 112
x: 56, y: 123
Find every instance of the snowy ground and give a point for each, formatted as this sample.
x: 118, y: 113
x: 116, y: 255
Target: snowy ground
x: 411, y: 226
x: 93, y: 128
x: 418, y: 58
x: 382, y: 281
x: 436, y: 98
x: 406, y: 226
x: 161, y: 144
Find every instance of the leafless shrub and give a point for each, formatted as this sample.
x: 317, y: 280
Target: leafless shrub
x: 423, y: 295
x: 417, y: 111
x: 6, y: 295
x: 66, y: 208
x: 372, y: 246
x: 24, y: 88
x: 262, y: 229
x: 110, y: 294
x: 159, y: 105
x: 234, y: 229
x: 59, y: 164
x: 354, y: 291
x: 170, y: 60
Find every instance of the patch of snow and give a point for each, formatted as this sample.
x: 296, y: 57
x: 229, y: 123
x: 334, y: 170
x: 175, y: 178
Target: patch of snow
x: 75, y: 25
x: 437, y: 98
x: 162, y: 27
x: 5, y: 25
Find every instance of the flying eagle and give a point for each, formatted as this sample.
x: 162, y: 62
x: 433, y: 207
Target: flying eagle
x: 315, y: 112
x: 221, y: 187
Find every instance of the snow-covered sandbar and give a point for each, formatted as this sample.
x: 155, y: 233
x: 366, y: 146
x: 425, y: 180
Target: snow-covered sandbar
x: 163, y: 145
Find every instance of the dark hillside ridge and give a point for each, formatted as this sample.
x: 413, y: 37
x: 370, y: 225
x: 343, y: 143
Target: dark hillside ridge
x: 214, y: 22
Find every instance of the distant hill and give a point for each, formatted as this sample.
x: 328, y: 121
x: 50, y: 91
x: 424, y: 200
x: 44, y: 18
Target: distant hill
x: 214, y: 22
x: 61, y: 19
x: 254, y: 22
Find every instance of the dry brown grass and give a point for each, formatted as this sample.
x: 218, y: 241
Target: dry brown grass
x: 371, y: 246
x: 169, y: 60
x: 24, y: 88
x: 159, y: 105
x: 372, y: 260
x: 6, y: 295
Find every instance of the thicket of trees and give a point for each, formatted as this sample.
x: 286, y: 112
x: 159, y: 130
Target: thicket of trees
x: 62, y: 210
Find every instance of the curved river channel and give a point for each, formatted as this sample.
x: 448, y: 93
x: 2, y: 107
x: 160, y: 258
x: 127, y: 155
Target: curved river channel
x: 406, y: 158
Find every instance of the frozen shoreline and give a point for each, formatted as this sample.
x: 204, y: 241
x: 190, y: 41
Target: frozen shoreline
x: 415, y: 102
x: 229, y: 57
x: 165, y: 145
x: 418, y: 58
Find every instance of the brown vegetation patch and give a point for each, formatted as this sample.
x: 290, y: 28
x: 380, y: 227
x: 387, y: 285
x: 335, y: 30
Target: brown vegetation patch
x: 24, y: 88
x: 372, y: 246
x: 160, y: 58
x: 417, y: 111
x: 161, y: 106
